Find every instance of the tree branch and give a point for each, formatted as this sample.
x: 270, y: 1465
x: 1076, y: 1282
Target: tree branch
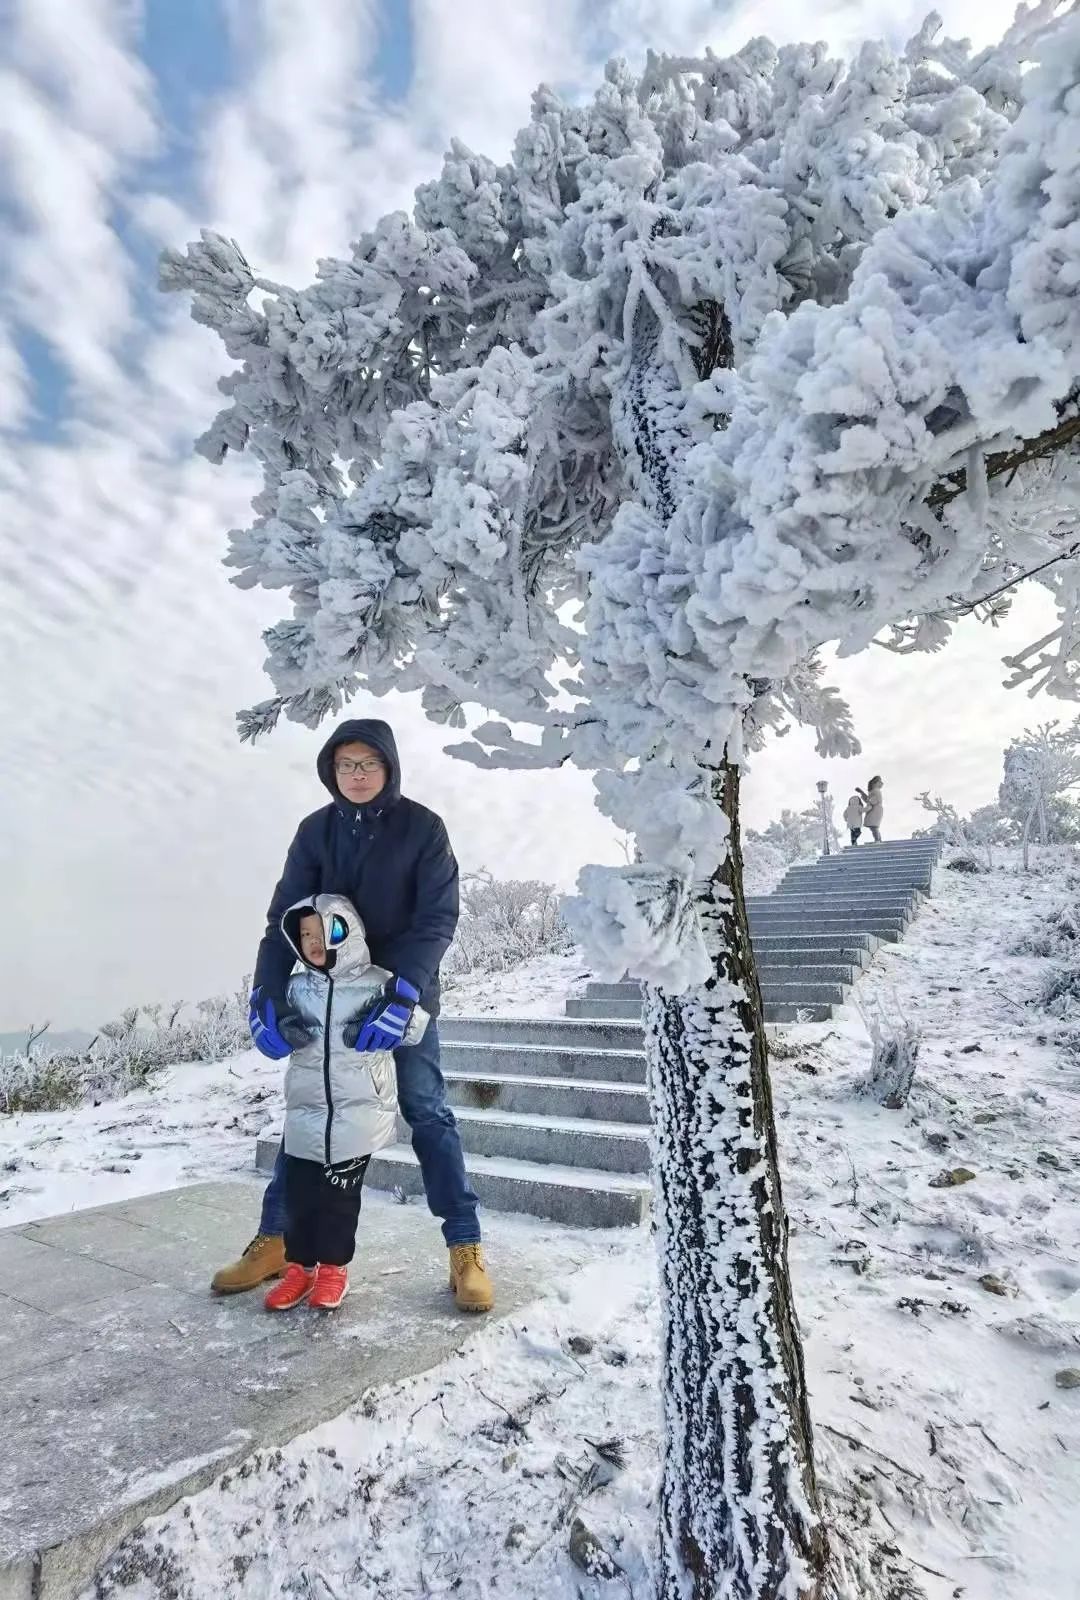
x: 1066, y: 432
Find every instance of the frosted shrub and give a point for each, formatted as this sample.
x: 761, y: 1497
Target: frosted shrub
x: 964, y: 861
x: 124, y: 1055
x: 1058, y: 935
x: 894, y: 1057
x: 1060, y: 991
x: 504, y: 922
x: 39, y: 1082
x: 763, y: 866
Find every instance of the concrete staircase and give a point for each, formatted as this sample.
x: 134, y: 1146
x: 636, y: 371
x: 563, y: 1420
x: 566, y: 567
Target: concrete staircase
x: 553, y: 1111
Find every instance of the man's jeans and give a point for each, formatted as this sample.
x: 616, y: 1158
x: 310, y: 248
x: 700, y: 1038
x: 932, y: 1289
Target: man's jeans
x: 435, y: 1139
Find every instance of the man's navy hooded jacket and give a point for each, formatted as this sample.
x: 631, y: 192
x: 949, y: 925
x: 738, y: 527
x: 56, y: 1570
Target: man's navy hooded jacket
x: 390, y: 857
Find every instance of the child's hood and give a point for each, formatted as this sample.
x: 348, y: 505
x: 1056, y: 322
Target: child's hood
x: 347, y: 953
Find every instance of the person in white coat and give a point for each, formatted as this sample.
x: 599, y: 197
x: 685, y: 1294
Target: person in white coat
x: 875, y: 808
x: 340, y: 1104
x: 853, y: 816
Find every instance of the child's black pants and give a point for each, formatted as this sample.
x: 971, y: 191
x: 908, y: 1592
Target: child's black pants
x: 322, y: 1208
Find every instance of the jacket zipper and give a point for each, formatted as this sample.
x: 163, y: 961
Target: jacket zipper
x: 326, y: 1065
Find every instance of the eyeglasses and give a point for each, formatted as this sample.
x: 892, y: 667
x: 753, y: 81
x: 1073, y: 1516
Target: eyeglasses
x: 345, y: 768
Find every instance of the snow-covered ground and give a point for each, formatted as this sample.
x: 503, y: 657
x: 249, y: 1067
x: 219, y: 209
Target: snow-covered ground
x: 936, y: 1318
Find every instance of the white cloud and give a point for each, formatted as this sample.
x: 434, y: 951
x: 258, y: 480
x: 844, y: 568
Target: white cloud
x: 75, y: 114
x: 476, y: 68
x: 14, y: 383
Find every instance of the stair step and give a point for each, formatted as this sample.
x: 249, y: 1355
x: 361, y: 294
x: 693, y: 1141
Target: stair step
x: 819, y: 911
x: 900, y: 905
x: 869, y: 868
x: 829, y: 880
x: 581, y: 1197
x: 776, y: 1010
x: 855, y: 947
x: 555, y: 1031
x: 805, y: 990
x: 879, y: 852
x: 825, y: 893
x: 884, y: 929
x: 781, y: 921
x: 884, y: 867
x: 572, y: 1195
x: 775, y: 1013
x: 570, y: 1141
x: 775, y: 972
x: 842, y: 957
x: 773, y: 980
x: 548, y: 1061
x: 834, y: 884
x: 583, y: 1098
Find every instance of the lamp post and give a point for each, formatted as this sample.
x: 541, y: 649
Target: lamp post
x: 824, y: 806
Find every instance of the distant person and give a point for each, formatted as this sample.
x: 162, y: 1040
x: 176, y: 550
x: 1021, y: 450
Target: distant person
x: 874, y: 809
x: 340, y: 1103
x: 393, y: 860
x: 853, y: 816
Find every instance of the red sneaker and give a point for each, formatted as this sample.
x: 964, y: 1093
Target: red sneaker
x: 331, y: 1287
x: 293, y: 1289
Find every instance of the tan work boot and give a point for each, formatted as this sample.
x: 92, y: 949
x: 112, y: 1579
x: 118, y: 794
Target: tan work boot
x: 472, y: 1288
x: 264, y: 1258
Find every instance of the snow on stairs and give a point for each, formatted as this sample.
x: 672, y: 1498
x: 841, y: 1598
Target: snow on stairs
x: 553, y: 1111
x: 553, y: 1115
x: 814, y: 932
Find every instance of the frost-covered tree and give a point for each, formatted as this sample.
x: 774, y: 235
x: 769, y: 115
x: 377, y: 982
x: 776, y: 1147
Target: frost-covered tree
x: 988, y: 827
x: 798, y: 835
x: 744, y: 356
x: 947, y: 820
x: 504, y: 922
x: 1040, y: 768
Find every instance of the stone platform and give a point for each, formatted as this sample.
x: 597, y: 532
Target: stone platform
x: 126, y: 1385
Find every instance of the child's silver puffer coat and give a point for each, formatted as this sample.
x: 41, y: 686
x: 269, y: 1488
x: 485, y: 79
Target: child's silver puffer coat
x: 339, y: 1104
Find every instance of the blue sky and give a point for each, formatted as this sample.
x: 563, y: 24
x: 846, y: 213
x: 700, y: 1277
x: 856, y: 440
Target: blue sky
x: 138, y: 839
x: 196, y: 52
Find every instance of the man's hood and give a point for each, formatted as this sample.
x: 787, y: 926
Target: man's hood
x: 363, y: 730
x: 347, y: 952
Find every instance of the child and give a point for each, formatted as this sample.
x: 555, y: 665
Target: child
x: 853, y: 815
x: 340, y: 1106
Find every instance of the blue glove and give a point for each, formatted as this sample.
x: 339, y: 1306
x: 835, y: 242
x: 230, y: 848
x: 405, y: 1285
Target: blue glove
x: 384, y: 1026
x: 275, y: 1036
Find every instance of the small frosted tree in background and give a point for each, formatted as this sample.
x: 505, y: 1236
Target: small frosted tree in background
x: 988, y: 828
x: 947, y: 820
x: 797, y: 835
x: 744, y: 356
x: 504, y: 922
x: 1041, y: 767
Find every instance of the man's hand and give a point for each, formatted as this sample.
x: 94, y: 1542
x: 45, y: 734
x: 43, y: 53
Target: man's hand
x: 384, y: 1026
x: 276, y: 1035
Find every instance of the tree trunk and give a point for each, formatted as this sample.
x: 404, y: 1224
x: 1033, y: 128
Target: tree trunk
x: 739, y: 1515
x: 1026, y: 839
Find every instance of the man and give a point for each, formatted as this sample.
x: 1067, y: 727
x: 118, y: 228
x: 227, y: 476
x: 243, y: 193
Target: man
x: 392, y: 858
